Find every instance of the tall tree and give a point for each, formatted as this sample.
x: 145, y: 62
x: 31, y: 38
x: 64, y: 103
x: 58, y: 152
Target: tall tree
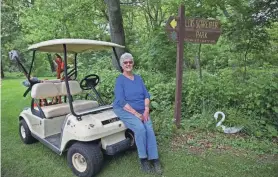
x: 10, y: 31
x: 116, y: 28
x: 2, y: 72
x: 246, y: 29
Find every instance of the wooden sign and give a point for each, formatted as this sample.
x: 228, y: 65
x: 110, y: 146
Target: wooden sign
x: 202, y: 31
x: 171, y: 28
x: 197, y: 30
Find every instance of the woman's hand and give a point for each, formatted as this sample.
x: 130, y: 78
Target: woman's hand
x: 140, y: 116
x: 128, y: 108
x: 146, y: 114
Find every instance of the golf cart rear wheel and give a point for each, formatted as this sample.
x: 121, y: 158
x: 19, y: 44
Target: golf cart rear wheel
x: 25, y: 133
x: 85, y: 159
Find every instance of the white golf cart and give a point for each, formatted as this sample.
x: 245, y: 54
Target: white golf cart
x: 84, y: 128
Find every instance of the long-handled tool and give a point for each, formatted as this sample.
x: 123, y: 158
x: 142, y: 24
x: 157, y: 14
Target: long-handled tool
x: 14, y: 56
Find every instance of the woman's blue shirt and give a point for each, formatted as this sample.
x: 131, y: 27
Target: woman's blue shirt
x: 129, y: 91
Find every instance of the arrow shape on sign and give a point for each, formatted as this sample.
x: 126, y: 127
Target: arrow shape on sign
x: 173, y: 23
x: 174, y: 35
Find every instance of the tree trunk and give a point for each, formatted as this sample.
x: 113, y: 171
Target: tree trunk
x: 199, y: 66
x: 2, y: 71
x: 245, y: 60
x: 116, y: 28
x: 51, y: 63
x: 245, y: 64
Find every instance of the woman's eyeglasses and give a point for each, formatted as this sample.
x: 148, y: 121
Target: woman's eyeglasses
x: 126, y: 62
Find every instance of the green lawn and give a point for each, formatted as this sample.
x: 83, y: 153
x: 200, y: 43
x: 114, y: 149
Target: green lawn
x: 183, y: 156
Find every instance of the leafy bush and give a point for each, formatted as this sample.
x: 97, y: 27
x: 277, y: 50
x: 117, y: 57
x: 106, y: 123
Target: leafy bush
x: 104, y: 69
x: 157, y: 53
x: 248, y: 101
x: 163, y: 123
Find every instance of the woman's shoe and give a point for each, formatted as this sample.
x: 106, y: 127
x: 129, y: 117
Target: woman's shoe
x: 157, y: 167
x: 145, y: 165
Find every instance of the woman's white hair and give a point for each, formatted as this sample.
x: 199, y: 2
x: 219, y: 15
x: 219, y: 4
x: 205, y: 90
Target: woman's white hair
x: 124, y: 57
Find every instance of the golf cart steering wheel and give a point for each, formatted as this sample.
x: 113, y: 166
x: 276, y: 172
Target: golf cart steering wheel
x: 89, y: 82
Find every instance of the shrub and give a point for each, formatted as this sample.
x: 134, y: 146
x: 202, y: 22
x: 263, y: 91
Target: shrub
x: 248, y: 100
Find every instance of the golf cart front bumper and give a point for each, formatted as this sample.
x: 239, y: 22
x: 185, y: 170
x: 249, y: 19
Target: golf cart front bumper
x: 118, y: 147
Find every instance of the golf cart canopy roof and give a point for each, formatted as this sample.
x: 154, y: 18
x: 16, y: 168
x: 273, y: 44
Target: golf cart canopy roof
x: 73, y: 45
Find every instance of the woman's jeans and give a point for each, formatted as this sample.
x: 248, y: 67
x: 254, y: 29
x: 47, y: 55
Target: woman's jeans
x: 143, y: 131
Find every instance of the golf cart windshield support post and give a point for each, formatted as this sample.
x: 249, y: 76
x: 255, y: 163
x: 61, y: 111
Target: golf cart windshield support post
x: 75, y: 65
x: 67, y: 84
x: 117, y: 58
x: 33, y: 58
x: 73, y: 71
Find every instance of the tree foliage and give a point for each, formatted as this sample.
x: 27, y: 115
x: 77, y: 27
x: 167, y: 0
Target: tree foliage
x: 234, y: 69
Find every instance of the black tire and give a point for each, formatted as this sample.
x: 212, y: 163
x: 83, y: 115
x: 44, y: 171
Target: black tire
x: 90, y: 154
x: 129, y: 134
x: 25, y: 133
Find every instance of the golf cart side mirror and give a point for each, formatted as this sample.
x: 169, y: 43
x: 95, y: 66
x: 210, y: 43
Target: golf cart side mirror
x: 14, y: 55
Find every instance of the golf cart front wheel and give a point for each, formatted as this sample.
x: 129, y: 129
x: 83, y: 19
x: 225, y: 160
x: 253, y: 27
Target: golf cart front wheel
x: 85, y: 159
x: 129, y: 134
x: 25, y: 133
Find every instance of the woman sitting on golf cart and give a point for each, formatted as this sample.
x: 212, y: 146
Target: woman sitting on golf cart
x: 131, y: 105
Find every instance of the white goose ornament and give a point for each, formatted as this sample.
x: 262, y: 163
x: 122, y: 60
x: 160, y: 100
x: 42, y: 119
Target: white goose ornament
x: 224, y: 128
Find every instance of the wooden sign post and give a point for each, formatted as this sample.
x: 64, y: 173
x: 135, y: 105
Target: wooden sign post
x: 179, y: 65
x: 193, y: 30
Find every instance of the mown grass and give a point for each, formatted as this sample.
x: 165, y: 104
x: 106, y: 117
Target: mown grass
x: 185, y: 155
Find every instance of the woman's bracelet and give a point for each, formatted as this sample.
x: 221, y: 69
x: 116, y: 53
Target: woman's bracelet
x: 135, y: 112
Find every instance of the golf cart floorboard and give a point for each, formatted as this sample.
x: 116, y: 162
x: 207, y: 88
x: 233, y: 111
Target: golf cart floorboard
x: 54, y: 140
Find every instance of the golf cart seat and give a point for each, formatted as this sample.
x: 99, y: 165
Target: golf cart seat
x: 50, y: 90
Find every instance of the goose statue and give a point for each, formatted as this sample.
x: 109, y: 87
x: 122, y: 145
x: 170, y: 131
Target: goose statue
x: 224, y: 128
